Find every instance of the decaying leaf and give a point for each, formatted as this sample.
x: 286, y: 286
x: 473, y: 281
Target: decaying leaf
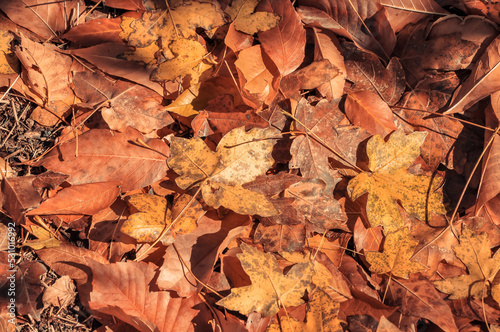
x: 389, y: 182
x: 474, y: 251
x: 150, y: 215
x: 395, y: 259
x: 270, y: 288
x: 220, y: 173
x: 248, y: 21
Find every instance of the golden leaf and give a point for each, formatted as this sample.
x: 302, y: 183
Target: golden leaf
x: 270, y: 289
x: 150, y: 216
x: 398, y: 249
x: 240, y: 157
x: 389, y: 182
x: 245, y: 20
x: 474, y: 251
x: 9, y: 64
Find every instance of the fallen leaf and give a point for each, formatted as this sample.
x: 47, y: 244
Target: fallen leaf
x: 122, y: 290
x: 367, y: 73
x: 395, y: 259
x: 284, y: 44
x: 320, y: 210
x: 403, y: 12
x: 365, y: 23
x: 327, y: 47
x: 270, y: 288
x: 189, y: 56
x: 150, y: 215
x: 28, y: 288
x: 218, y: 171
x: 98, y: 31
x: 60, y: 294
x: 80, y: 199
x: 45, y: 19
x: 277, y: 238
x: 388, y: 165
x: 9, y: 64
x: 220, y: 116
x: 126, y: 4
x: 474, y: 251
x: 246, y: 20
x: 123, y: 104
x: 117, y: 153
x: 367, y: 110
x: 19, y: 196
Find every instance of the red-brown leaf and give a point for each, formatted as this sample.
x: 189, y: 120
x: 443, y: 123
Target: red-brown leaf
x: 285, y: 43
x: 105, y: 156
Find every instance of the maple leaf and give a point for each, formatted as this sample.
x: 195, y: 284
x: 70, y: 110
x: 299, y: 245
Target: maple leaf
x: 245, y: 20
x: 474, y: 251
x: 389, y: 182
x: 270, y: 289
x: 398, y: 249
x: 240, y: 157
x: 150, y: 216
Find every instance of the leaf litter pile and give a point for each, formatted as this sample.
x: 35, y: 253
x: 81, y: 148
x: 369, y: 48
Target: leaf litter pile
x: 246, y: 165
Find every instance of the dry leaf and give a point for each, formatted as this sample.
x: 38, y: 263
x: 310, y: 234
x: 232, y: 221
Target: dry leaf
x: 60, y: 294
x: 395, y: 259
x: 389, y: 181
x: 245, y: 20
x: 219, y: 172
x: 474, y: 250
x: 270, y: 288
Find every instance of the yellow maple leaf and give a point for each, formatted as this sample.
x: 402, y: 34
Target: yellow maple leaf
x: 240, y: 157
x: 270, y: 289
x: 395, y: 259
x: 150, y: 216
x: 245, y: 20
x: 389, y: 182
x: 322, y: 315
x: 474, y: 251
x: 9, y: 64
x: 188, y: 60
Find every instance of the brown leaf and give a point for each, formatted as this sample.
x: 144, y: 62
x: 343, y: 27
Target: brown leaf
x: 418, y: 298
x: 450, y: 43
x: 257, y: 79
x: 220, y: 116
x: 284, y: 44
x: 49, y: 179
x: 44, y: 19
x: 98, y: 31
x: 60, y: 294
x: 126, y: 4
x: 307, y: 78
x: 366, y: 71
x: 80, y: 199
x: 327, y: 47
x: 129, y: 104
x: 278, y: 238
x: 29, y: 288
x: 367, y: 110
x: 307, y: 153
x: 117, y: 153
x: 403, y: 12
x: 319, y: 209
x: 199, y: 250
x: 363, y: 22
x: 47, y: 77
x: 19, y: 195
x: 122, y: 290
x: 236, y: 40
x: 106, y: 57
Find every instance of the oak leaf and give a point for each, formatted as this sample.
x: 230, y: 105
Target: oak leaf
x: 270, y: 288
x: 395, y: 259
x: 248, y: 21
x: 389, y: 182
x: 240, y: 157
x: 474, y: 251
